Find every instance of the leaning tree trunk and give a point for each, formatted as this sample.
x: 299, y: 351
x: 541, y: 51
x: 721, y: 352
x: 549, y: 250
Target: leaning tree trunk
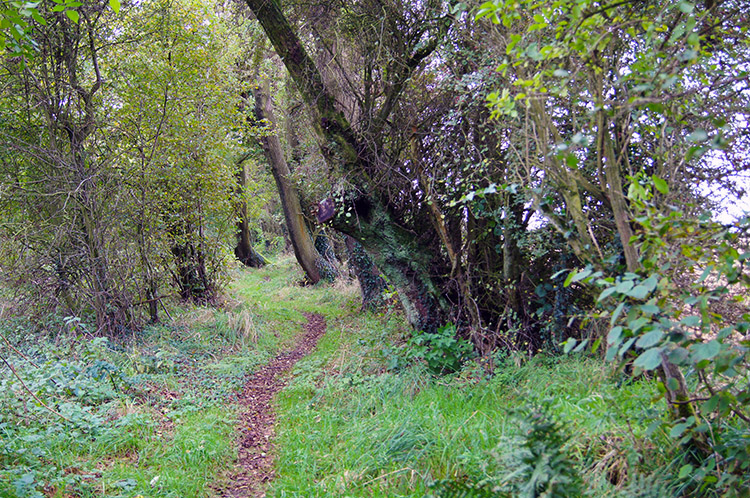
x: 395, y: 249
x: 304, y: 248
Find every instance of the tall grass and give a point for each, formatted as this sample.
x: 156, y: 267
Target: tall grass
x: 349, y: 426
x: 153, y: 416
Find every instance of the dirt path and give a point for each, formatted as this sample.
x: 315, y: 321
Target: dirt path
x: 256, y: 425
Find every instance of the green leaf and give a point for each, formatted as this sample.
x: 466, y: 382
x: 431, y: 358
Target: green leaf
x: 678, y: 355
x: 595, y: 346
x: 557, y: 274
x: 638, y: 323
x: 649, y: 359
x: 581, y: 275
x: 698, y: 136
x: 616, y: 313
x: 38, y: 18
x: 611, y: 353
x: 73, y: 15
x: 582, y: 345
x: 685, y: 471
x: 691, y: 321
x: 614, y: 335
x: 711, y: 404
x: 686, y: 7
x: 706, y: 350
x: 570, y: 278
x: 650, y: 339
x: 653, y: 426
x: 679, y: 429
x: 624, y: 287
x: 660, y: 185
x: 569, y: 344
x: 606, y: 293
x: 639, y: 292
x: 115, y: 5
x: 625, y: 347
x: 649, y: 309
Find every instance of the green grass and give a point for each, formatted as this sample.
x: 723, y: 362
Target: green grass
x: 360, y: 418
x: 152, y: 414
x: 350, y: 427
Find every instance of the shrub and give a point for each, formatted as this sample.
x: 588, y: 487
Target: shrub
x: 443, y: 351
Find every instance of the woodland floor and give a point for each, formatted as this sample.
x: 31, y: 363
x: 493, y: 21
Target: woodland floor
x: 255, y: 463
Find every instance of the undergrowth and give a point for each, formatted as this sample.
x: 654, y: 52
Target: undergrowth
x: 361, y: 417
x: 146, y: 415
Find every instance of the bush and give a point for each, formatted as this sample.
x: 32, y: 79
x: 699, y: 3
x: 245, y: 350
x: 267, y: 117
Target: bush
x: 443, y: 351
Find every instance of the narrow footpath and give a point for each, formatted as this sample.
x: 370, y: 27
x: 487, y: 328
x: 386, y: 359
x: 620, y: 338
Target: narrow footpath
x: 255, y: 465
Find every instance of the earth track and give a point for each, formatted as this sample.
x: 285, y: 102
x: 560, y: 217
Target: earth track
x: 255, y: 464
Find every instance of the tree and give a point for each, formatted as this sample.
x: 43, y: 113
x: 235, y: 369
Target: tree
x: 304, y: 247
x: 118, y: 173
x: 365, y: 217
x: 179, y: 119
x: 244, y: 249
x: 648, y: 95
x: 62, y: 167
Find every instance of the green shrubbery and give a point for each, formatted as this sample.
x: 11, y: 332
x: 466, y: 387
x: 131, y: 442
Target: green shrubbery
x: 684, y: 316
x: 161, y: 400
x: 443, y: 351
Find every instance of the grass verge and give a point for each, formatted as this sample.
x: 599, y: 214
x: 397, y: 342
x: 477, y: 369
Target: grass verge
x: 360, y: 419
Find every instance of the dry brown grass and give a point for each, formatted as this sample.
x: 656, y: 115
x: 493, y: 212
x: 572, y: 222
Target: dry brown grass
x: 242, y: 324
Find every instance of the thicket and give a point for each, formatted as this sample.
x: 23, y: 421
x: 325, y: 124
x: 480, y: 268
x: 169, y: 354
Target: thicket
x: 151, y: 414
x: 120, y: 134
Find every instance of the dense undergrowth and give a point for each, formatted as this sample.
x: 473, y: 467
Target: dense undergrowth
x: 364, y: 417
x: 351, y: 426
x: 152, y: 415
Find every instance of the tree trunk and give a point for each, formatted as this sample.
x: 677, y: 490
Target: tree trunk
x: 327, y: 264
x: 396, y: 250
x: 371, y: 284
x: 244, y: 249
x: 304, y: 248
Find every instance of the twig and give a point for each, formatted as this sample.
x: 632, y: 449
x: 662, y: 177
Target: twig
x: 165, y: 310
x: 386, y: 475
x: 157, y: 298
x: 18, y: 352
x: 32, y: 394
x: 688, y: 401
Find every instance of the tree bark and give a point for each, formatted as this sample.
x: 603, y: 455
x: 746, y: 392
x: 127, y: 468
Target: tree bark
x: 244, y: 249
x: 371, y: 283
x: 304, y: 248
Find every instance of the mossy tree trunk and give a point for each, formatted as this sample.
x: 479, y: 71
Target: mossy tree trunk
x: 371, y: 283
x: 364, y: 216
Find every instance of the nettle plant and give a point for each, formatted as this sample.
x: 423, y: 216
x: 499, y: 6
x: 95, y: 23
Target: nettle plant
x: 686, y: 312
x: 443, y: 351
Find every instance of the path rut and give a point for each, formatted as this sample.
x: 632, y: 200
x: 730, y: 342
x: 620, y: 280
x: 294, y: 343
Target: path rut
x: 255, y: 465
